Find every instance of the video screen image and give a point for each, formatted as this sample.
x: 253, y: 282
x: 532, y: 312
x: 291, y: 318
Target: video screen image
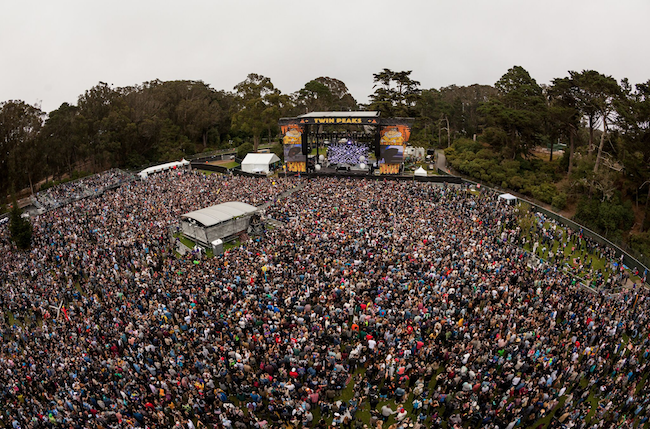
x: 293, y: 153
x: 392, y: 154
x: 346, y: 153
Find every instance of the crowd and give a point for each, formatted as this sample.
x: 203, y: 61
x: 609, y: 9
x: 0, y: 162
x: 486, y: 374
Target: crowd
x: 577, y: 253
x: 377, y: 304
x: 65, y: 193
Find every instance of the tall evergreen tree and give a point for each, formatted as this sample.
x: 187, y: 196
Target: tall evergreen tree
x: 19, y: 227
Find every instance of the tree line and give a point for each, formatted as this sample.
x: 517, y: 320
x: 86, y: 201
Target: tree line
x: 603, y: 125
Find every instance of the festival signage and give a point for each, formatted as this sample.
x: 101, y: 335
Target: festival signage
x: 392, y: 143
x: 339, y: 121
x: 295, y: 161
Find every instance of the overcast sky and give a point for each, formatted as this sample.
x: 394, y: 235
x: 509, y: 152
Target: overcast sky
x: 52, y: 51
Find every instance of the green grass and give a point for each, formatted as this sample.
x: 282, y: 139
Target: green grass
x: 186, y: 241
x: 229, y: 165
x: 597, y: 262
x: 425, y: 166
x: 189, y: 243
x: 231, y: 245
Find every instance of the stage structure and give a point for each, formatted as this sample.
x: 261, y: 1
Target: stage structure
x: 219, y: 222
x: 348, y: 138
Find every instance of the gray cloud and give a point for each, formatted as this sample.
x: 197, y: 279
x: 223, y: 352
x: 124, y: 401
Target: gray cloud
x: 54, y: 51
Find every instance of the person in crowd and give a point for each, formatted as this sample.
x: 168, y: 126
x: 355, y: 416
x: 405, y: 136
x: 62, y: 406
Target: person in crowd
x: 389, y: 291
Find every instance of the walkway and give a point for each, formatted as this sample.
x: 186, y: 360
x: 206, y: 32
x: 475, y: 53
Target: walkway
x: 282, y: 195
x: 441, y: 161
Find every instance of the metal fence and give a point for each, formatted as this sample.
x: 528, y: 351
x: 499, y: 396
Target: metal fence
x: 224, y: 170
x: 364, y: 175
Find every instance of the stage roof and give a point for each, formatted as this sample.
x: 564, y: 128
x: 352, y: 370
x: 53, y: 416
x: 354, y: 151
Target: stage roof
x: 370, y: 114
x: 214, y: 215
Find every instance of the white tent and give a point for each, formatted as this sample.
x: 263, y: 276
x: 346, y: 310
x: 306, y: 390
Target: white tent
x: 162, y: 167
x: 418, y: 152
x: 508, y: 198
x: 420, y: 172
x: 259, y: 162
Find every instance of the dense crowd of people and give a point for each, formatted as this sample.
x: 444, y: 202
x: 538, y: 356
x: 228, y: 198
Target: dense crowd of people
x: 67, y: 192
x: 577, y: 253
x: 377, y: 304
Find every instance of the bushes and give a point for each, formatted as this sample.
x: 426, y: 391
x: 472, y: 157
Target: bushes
x: 641, y: 242
x: 278, y: 149
x: 605, y: 216
x: 515, y: 182
x: 532, y: 177
x: 559, y: 201
x: 244, y: 149
x: 544, y: 192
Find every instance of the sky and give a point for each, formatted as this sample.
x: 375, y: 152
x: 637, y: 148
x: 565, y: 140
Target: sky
x: 53, y: 51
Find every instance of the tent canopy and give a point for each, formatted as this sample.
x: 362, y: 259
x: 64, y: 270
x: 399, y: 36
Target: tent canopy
x: 162, y: 167
x: 213, y: 215
x: 259, y: 162
x: 420, y: 172
x: 508, y: 198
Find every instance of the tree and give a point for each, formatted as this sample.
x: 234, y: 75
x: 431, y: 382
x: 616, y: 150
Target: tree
x: 244, y: 149
x: 277, y: 106
x: 461, y: 106
x: 252, y: 102
x: 564, y: 113
x: 633, y: 119
x: 518, y: 111
x: 63, y: 146
x: 396, y: 94
x: 20, y: 154
x: 94, y: 107
x: 199, y: 111
x: 595, y: 93
x: 19, y: 227
x: 342, y: 100
x: 315, y: 97
x: 428, y: 112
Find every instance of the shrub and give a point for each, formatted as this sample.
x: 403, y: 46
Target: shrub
x: 278, y: 149
x: 244, y: 149
x: 608, y: 217
x: 559, y: 201
x: 485, y: 154
x: 641, y: 242
x: 516, y: 182
x: 544, y: 192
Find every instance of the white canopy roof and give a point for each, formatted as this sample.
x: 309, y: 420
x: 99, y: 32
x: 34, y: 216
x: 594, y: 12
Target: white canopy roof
x: 162, y: 167
x: 260, y: 159
x: 420, y: 172
x: 507, y: 197
x: 211, y: 216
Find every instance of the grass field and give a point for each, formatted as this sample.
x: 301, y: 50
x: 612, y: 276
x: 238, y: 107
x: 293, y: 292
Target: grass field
x: 571, y: 251
x: 229, y: 165
x: 189, y: 243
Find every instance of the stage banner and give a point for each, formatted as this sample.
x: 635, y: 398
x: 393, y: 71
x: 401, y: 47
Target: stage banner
x: 339, y: 121
x: 392, y: 142
x: 292, y: 141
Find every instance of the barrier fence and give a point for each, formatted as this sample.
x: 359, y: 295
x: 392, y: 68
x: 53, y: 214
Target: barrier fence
x: 224, y: 170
